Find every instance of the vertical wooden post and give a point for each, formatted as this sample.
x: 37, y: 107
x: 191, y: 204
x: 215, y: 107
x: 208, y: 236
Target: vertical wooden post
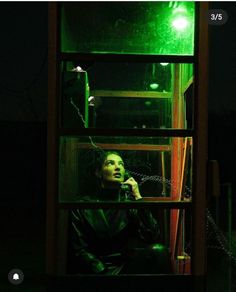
x: 176, y: 155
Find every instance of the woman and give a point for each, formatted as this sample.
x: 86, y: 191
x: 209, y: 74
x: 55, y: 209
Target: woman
x: 111, y: 174
x: 115, y: 241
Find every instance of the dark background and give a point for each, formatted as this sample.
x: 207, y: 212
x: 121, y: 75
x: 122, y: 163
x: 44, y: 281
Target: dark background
x: 23, y: 125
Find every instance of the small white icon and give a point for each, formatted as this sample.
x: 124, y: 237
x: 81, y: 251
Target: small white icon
x: 15, y: 277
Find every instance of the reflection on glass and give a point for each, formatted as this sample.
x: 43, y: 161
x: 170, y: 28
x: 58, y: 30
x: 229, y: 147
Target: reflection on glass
x: 127, y: 95
x: 127, y: 169
x: 157, y: 167
x: 162, y: 28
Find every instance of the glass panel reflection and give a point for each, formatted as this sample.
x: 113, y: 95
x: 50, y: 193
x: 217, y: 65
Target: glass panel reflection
x: 127, y: 95
x: 162, y: 28
x: 153, y: 167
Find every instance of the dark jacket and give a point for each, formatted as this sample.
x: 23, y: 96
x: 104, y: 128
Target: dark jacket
x: 98, y: 235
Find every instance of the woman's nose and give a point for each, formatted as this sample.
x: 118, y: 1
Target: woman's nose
x: 117, y: 166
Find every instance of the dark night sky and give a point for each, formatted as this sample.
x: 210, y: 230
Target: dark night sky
x: 23, y: 61
x: 222, y: 66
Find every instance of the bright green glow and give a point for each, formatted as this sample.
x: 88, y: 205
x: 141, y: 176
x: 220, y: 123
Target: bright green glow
x: 164, y: 64
x: 158, y: 247
x: 154, y: 86
x: 180, y: 23
x: 180, y: 10
x: 142, y: 27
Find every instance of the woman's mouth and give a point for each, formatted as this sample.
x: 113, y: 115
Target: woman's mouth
x: 117, y: 175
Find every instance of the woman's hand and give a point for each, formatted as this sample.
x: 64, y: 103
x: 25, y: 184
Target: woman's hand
x: 135, y: 189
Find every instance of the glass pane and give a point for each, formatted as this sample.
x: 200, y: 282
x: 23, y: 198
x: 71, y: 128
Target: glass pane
x: 127, y: 95
x: 161, y: 28
x: 130, y: 168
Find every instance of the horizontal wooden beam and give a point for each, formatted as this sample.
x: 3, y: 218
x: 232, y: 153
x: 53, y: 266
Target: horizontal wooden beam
x: 130, y: 94
x: 114, y: 146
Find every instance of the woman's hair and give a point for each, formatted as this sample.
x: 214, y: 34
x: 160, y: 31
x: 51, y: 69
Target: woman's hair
x: 89, y: 183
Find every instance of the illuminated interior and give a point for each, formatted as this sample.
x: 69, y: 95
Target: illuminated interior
x: 161, y: 166
x: 162, y: 28
x: 150, y: 160
x: 145, y: 95
x: 111, y: 95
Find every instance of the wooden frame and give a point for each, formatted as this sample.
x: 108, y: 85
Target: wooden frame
x: 199, y: 134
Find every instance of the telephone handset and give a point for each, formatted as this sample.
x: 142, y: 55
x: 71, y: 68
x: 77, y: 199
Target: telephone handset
x: 126, y: 189
x: 127, y: 175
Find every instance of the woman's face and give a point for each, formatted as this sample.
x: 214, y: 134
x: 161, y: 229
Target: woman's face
x: 113, y: 171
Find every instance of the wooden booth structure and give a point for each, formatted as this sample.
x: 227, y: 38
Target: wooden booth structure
x: 132, y: 77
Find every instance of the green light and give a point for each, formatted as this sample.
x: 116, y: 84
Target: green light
x: 169, y: 25
x: 180, y: 23
x: 180, y: 10
x: 154, y: 86
x: 148, y: 103
x: 158, y: 246
x: 164, y: 64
